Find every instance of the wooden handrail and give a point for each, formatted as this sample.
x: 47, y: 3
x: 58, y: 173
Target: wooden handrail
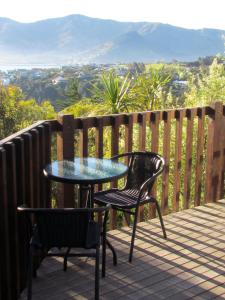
x: 54, y: 125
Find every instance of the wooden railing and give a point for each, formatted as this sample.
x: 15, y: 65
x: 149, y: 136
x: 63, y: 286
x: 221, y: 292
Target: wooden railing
x: 192, y: 142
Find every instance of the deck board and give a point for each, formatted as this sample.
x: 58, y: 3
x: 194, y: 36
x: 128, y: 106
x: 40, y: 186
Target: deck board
x: 190, y: 264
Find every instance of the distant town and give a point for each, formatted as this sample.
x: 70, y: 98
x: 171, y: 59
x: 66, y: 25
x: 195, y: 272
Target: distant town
x: 59, y: 84
x: 50, y: 83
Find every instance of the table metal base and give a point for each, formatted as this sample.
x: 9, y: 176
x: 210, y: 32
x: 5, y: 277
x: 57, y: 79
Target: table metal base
x: 90, y: 203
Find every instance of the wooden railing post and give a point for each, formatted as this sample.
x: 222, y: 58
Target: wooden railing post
x: 114, y: 151
x: 179, y: 115
x: 65, y: 150
x: 190, y: 113
x: 222, y: 188
x: 199, y: 155
x: 6, y: 274
x: 215, y: 152
x: 142, y: 147
x: 154, y: 125
x: 99, y: 143
x: 166, y: 155
x: 13, y: 218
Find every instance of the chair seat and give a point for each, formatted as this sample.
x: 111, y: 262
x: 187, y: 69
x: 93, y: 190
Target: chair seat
x: 124, y: 199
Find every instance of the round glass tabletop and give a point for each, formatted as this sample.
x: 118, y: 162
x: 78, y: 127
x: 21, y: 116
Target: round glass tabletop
x: 88, y: 170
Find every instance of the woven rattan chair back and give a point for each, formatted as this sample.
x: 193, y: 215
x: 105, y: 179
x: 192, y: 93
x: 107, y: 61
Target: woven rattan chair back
x: 142, y: 166
x: 63, y: 228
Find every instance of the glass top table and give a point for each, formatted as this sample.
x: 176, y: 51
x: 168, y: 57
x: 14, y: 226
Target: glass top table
x: 86, y: 171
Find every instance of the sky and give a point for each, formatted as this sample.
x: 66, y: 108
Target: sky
x: 187, y: 13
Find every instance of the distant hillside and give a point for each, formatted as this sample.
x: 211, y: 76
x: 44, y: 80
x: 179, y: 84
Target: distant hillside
x: 80, y: 39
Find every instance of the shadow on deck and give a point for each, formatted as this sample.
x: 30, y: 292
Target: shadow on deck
x: 189, y: 265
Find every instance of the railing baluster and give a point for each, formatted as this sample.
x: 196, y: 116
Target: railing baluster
x: 65, y: 150
x: 20, y: 168
x: 166, y: 155
x: 199, y: 156
x: 84, y: 140
x: 128, y: 148
x: 40, y: 130
x: 83, y: 153
x: 142, y: 132
x: 21, y: 199
x: 177, y: 161
x: 6, y: 269
x: 222, y: 189
x: 129, y: 134
x: 114, y: 151
x: 188, y: 157
x: 142, y: 143
x: 28, y: 169
x: 154, y: 125
x: 12, y: 216
x: 99, y: 143
x: 214, y: 160
x: 47, y: 160
x: 37, y: 172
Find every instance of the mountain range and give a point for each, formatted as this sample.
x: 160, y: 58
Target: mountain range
x: 80, y: 39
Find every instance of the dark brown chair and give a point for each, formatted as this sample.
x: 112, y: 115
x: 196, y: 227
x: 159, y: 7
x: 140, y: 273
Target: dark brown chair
x: 143, y: 168
x: 65, y: 228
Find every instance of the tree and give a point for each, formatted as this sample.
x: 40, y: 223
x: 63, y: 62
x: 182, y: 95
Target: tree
x: 30, y: 111
x: 148, y: 89
x: 83, y: 108
x: 8, y: 109
x: 72, y: 95
x: 16, y: 113
x: 112, y: 93
x: 207, y: 86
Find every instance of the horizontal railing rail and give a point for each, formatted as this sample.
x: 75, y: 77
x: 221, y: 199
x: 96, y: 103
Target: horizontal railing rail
x: 192, y: 141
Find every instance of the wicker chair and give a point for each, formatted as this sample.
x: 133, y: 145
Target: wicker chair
x: 70, y: 228
x: 143, y: 168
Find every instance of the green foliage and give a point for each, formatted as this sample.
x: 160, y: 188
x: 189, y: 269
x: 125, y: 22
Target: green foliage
x: 83, y: 108
x: 29, y: 111
x: 15, y: 113
x: 207, y: 86
x: 112, y: 93
x: 72, y: 95
x: 146, y: 87
x: 72, y: 92
x: 153, y: 87
x: 148, y: 90
x: 8, y: 109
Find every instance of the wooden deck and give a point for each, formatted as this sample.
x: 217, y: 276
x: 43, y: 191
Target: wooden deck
x: 189, y: 265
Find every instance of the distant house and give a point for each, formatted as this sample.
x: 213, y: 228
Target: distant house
x: 84, y: 76
x: 58, y: 80
x: 5, y: 81
x: 181, y: 82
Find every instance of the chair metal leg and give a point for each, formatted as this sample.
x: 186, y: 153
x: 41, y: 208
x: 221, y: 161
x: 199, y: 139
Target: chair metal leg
x: 104, y: 244
x: 133, y: 235
x: 113, y: 252
x: 160, y: 219
x: 97, y: 274
x: 65, y: 259
x: 30, y: 274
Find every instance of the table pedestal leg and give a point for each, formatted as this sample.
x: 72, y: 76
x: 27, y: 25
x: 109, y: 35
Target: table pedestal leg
x: 91, y: 199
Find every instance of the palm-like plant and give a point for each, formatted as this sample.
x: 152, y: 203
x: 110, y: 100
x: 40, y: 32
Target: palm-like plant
x: 148, y: 88
x: 113, y: 93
